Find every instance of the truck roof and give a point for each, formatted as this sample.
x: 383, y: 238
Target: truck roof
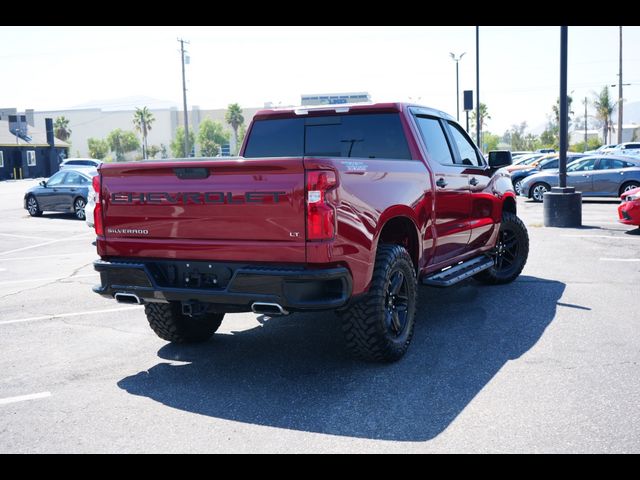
x: 347, y: 107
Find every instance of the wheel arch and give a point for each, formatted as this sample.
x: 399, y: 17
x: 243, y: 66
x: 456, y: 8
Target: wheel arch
x: 400, y: 229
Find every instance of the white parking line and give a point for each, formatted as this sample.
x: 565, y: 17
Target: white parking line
x: 45, y: 256
x: 22, y: 236
x: 620, y: 259
x: 49, y: 279
x: 68, y: 239
x: 24, y: 398
x: 609, y: 237
x: 74, y: 314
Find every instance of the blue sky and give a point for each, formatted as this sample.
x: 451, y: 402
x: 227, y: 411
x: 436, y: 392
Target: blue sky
x: 59, y: 67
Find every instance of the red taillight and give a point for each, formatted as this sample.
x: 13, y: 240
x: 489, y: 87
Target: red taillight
x: 97, y: 211
x: 321, y: 215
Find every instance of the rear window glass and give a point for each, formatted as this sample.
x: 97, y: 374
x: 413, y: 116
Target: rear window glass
x: 276, y: 138
x: 356, y: 136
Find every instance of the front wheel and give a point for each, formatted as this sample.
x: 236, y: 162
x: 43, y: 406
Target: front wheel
x: 628, y: 187
x: 78, y: 208
x: 379, y: 326
x: 32, y: 207
x: 510, y: 253
x: 518, y: 187
x: 168, y: 322
x: 538, y: 191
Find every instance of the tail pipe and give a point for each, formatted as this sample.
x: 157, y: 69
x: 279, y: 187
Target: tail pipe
x: 270, y: 309
x: 128, y: 298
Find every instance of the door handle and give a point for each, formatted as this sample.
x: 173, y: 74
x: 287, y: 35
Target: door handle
x: 441, y: 183
x: 473, y: 181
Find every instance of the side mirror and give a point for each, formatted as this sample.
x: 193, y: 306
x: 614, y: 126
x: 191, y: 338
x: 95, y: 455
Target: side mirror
x: 43, y: 183
x: 499, y: 158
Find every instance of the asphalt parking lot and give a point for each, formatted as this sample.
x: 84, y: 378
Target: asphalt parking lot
x: 546, y: 364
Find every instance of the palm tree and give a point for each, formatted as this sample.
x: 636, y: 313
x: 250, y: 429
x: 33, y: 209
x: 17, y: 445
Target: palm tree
x: 61, y: 128
x: 142, y: 120
x: 484, y: 115
x: 604, y: 108
x: 234, y: 118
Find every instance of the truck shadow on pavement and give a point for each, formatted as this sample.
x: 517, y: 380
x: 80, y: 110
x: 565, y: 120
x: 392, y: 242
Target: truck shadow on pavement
x: 294, y: 373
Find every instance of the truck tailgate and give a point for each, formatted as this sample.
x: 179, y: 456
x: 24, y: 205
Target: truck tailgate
x: 231, y: 209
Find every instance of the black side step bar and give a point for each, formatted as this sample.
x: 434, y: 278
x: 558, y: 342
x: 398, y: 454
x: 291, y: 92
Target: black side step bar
x: 458, y: 272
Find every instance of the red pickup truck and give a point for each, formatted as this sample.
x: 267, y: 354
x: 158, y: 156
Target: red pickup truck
x: 343, y: 208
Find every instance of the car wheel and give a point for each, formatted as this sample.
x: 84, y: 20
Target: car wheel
x: 379, y: 326
x: 32, y: 207
x: 538, y: 191
x: 510, y: 253
x: 78, y: 208
x: 518, y: 187
x: 629, y: 186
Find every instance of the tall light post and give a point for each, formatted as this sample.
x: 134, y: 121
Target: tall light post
x: 620, y: 94
x: 187, y: 148
x: 457, y: 59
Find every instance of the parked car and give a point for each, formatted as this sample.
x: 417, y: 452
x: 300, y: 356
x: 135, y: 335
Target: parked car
x: 546, y: 163
x: 66, y: 191
x: 80, y: 162
x: 628, y: 148
x: 91, y: 203
x: 546, y: 150
x: 526, y: 161
x: 594, y: 176
x: 629, y: 209
x: 601, y: 149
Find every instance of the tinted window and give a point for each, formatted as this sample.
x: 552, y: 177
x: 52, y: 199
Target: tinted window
x: 582, y: 165
x: 435, y: 140
x: 550, y: 164
x: 611, y: 164
x: 632, y: 145
x: 73, y: 178
x: 468, y: 155
x: 362, y: 136
x: 56, y: 179
x: 276, y: 138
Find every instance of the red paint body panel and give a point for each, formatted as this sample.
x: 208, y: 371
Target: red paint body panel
x: 450, y: 225
x: 629, y: 210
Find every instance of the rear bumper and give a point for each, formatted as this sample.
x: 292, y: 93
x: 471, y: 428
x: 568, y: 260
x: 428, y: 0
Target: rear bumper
x: 232, y: 286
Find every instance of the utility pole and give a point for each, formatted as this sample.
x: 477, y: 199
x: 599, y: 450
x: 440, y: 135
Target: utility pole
x: 144, y: 138
x: 184, y: 100
x: 564, y: 126
x: 478, y: 88
x: 620, y: 93
x: 585, y: 124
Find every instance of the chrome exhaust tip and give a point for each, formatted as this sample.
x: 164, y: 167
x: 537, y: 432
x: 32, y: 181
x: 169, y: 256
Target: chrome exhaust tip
x: 270, y: 309
x: 128, y: 298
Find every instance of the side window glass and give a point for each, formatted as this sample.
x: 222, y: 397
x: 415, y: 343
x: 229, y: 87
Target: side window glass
x: 468, y: 154
x: 435, y: 140
x: 56, y: 179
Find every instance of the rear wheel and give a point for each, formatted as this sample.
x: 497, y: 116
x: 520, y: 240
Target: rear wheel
x: 78, y: 208
x: 379, y: 326
x: 538, y: 191
x: 168, y: 322
x: 32, y: 207
x: 628, y: 186
x: 510, y: 254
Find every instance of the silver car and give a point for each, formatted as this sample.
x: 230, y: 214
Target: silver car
x: 594, y: 176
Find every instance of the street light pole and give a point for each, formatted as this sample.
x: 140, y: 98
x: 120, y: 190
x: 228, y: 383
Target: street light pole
x: 457, y: 83
x: 585, y: 124
x: 620, y: 94
x: 184, y: 99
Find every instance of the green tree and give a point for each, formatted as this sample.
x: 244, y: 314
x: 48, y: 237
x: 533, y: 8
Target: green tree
x: 234, y: 117
x: 163, y: 151
x: 484, y: 116
x: 121, y: 142
x: 152, y: 151
x: 605, y: 106
x: 211, y: 135
x: 177, y: 145
x: 549, y: 138
x: 98, y: 148
x: 61, y: 128
x: 491, y: 141
x: 556, y: 110
x: 242, y: 132
x: 142, y: 120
